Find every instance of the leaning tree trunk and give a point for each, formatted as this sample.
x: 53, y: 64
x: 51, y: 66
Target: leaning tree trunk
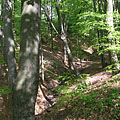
x: 8, y: 42
x: 63, y: 37
x: 109, y: 20
x: 26, y: 84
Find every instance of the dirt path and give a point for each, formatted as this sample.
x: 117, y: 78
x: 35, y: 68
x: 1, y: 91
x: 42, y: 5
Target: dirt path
x: 97, y: 78
x: 54, y: 67
x: 97, y: 74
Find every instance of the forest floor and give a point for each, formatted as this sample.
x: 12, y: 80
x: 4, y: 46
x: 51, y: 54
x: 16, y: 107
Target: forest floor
x: 98, y: 100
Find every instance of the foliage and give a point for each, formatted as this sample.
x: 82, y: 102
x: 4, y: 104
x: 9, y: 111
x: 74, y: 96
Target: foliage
x: 85, y: 27
x: 4, y: 90
x: 16, y: 19
x: 69, y: 81
x: 116, y: 78
x: 112, y: 68
x: 83, y: 101
x: 2, y: 60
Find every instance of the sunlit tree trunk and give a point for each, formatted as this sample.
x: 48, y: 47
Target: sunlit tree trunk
x: 42, y: 71
x: 8, y: 42
x: 64, y: 39
x: 65, y: 55
x: 14, y: 20
x: 26, y: 84
x: 109, y: 20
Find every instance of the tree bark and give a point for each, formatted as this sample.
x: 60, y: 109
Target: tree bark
x: 119, y: 6
x: 8, y: 42
x: 101, y: 32
x: 109, y: 20
x: 94, y: 5
x: 64, y: 39
x: 65, y: 55
x: 52, y: 42
x: 1, y: 28
x: 26, y: 84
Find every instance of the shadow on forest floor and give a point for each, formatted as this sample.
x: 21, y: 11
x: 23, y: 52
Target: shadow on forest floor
x: 88, y: 103
x: 99, y: 100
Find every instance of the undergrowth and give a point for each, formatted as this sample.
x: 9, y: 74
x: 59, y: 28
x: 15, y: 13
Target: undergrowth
x: 4, y: 89
x: 82, y: 101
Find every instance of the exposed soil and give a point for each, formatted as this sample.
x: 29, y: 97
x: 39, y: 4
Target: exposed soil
x: 53, y: 67
x: 5, y: 99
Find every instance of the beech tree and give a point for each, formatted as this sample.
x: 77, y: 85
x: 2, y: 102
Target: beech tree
x: 26, y: 84
x: 110, y: 24
x: 62, y: 35
x: 8, y: 41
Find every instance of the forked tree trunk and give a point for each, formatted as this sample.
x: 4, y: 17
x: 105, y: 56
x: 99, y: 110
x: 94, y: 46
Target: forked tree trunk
x: 26, y: 84
x: 109, y: 20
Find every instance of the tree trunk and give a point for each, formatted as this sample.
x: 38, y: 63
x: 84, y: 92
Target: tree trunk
x: 65, y: 55
x: 109, y: 20
x: 94, y: 5
x: 52, y: 42
x: 42, y: 68
x: 119, y: 6
x: 100, y: 32
x: 8, y: 42
x: 1, y: 36
x: 103, y: 57
x: 26, y: 84
x: 1, y: 29
x: 64, y: 39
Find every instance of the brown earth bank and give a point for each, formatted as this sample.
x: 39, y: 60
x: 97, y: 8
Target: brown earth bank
x: 45, y: 108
